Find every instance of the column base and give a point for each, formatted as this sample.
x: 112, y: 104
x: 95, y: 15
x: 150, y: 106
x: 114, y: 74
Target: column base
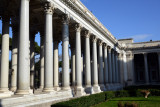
x: 66, y: 88
x: 24, y: 92
x: 57, y: 88
x: 41, y: 87
x: 13, y: 89
x: 6, y: 94
x: 96, y: 89
x: 102, y: 87
x: 88, y: 89
x: 48, y: 90
x: 79, y: 92
x: 2, y: 90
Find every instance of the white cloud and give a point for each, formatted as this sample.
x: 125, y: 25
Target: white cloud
x: 140, y: 37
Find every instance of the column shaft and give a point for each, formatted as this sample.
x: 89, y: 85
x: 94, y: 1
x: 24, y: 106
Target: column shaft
x: 32, y: 60
x: 159, y: 64
x: 42, y: 62
x: 56, y: 65
x: 105, y: 65
x: 65, y: 54
x: 113, y: 66
x: 87, y: 62
x: 116, y: 62
x: 146, y: 68
x: 23, y: 56
x: 95, y: 72
x: 101, y: 73
x: 5, y: 56
x: 14, y: 61
x: 110, y: 66
x: 96, y: 87
x: 73, y: 67
x: 78, y: 58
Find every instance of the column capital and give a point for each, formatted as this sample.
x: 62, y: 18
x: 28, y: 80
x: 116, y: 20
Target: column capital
x: 100, y: 42
x: 87, y: 33
x: 105, y: 45
x: 78, y: 27
x: 113, y: 51
x: 65, y: 19
x: 109, y: 48
x: 94, y: 39
x: 145, y: 54
x: 48, y: 8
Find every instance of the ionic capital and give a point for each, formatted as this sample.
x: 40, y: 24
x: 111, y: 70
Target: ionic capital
x: 48, y: 8
x: 78, y: 27
x: 65, y: 19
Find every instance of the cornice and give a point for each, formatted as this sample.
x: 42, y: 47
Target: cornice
x: 84, y: 13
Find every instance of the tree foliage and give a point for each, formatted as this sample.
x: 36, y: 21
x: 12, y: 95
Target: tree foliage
x: 37, y: 48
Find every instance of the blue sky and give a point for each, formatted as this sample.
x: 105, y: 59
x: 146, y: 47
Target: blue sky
x: 138, y: 19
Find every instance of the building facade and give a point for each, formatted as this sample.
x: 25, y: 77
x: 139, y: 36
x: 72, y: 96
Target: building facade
x: 99, y: 62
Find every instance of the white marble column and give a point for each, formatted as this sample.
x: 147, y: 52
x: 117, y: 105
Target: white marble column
x: 109, y: 65
x: 88, y: 88
x: 65, y: 53
x: 146, y: 68
x: 96, y: 87
x: 159, y: 64
x: 101, y: 72
x: 48, y: 49
x: 42, y: 60
x: 32, y: 60
x: 23, y: 55
x: 5, y: 55
x: 116, y: 64
x: 105, y: 65
x: 121, y: 69
x: 80, y: 90
x: 125, y: 74
x: 73, y: 67
x: 113, y: 66
x: 14, y: 58
x: 56, y: 67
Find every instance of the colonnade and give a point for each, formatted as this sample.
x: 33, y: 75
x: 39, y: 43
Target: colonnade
x: 102, y: 64
x: 147, y: 80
